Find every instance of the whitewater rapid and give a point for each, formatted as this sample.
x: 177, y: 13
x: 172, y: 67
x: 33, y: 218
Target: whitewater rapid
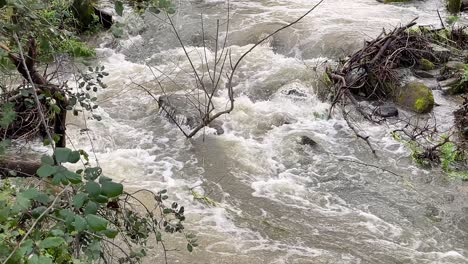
x: 277, y: 200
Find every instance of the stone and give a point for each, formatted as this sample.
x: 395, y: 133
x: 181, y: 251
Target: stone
x: 452, y: 85
x: 441, y: 53
x: 386, y: 110
x: 453, y: 66
x: 426, y: 64
x: 423, y: 74
x: 305, y: 140
x: 105, y: 18
x: 295, y: 92
x: 415, y: 96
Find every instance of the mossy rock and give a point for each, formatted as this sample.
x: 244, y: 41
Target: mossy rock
x: 426, y: 64
x: 416, y: 97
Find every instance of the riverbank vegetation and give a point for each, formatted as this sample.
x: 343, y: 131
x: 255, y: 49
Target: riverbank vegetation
x: 50, y: 213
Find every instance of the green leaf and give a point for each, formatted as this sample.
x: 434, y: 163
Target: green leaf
x: 22, y: 202
x: 189, y: 248
x: 103, y: 179
x: 72, y: 177
x: 93, y: 188
x: 36, y: 195
x: 3, y: 3
x: 26, y: 248
x: 74, y: 157
x: 92, y: 173
x: 80, y: 224
x: 112, y: 189
x: 67, y: 215
x: 40, y: 260
x: 8, y: 115
x: 57, y: 232
x: 79, y: 200
x: 62, y: 154
x: 91, y: 208
x: 119, y: 8
x: 51, y: 242
x: 101, y: 199
x: 47, y: 160
x: 38, y: 211
x: 46, y: 170
x: 96, y: 223
x: 110, y: 233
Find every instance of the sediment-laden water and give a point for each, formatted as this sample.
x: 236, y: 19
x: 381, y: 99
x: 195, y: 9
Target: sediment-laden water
x: 277, y: 200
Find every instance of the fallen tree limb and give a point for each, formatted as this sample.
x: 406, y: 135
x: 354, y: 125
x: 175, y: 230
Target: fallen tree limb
x: 18, y: 168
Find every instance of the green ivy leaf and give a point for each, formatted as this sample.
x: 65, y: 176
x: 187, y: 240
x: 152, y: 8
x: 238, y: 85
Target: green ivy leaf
x: 119, y: 7
x: 112, y: 189
x: 93, y: 188
x: 46, y: 170
x: 51, y: 242
x: 96, y: 223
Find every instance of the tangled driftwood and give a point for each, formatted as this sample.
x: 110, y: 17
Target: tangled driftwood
x: 372, y: 71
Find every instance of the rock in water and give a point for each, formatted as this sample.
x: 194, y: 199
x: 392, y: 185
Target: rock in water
x: 387, y: 110
x: 305, y: 140
x: 415, y: 96
x: 105, y: 18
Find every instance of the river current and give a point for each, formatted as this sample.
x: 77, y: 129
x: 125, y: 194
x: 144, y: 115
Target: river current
x: 276, y: 200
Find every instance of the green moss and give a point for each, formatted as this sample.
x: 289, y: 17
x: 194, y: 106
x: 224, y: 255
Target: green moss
x: 326, y: 80
x: 417, y: 97
x: 422, y: 104
x: 426, y: 64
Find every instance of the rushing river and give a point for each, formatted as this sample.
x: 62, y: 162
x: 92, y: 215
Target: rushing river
x: 277, y: 200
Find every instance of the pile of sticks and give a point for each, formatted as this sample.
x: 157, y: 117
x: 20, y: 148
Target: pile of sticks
x: 371, y: 71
